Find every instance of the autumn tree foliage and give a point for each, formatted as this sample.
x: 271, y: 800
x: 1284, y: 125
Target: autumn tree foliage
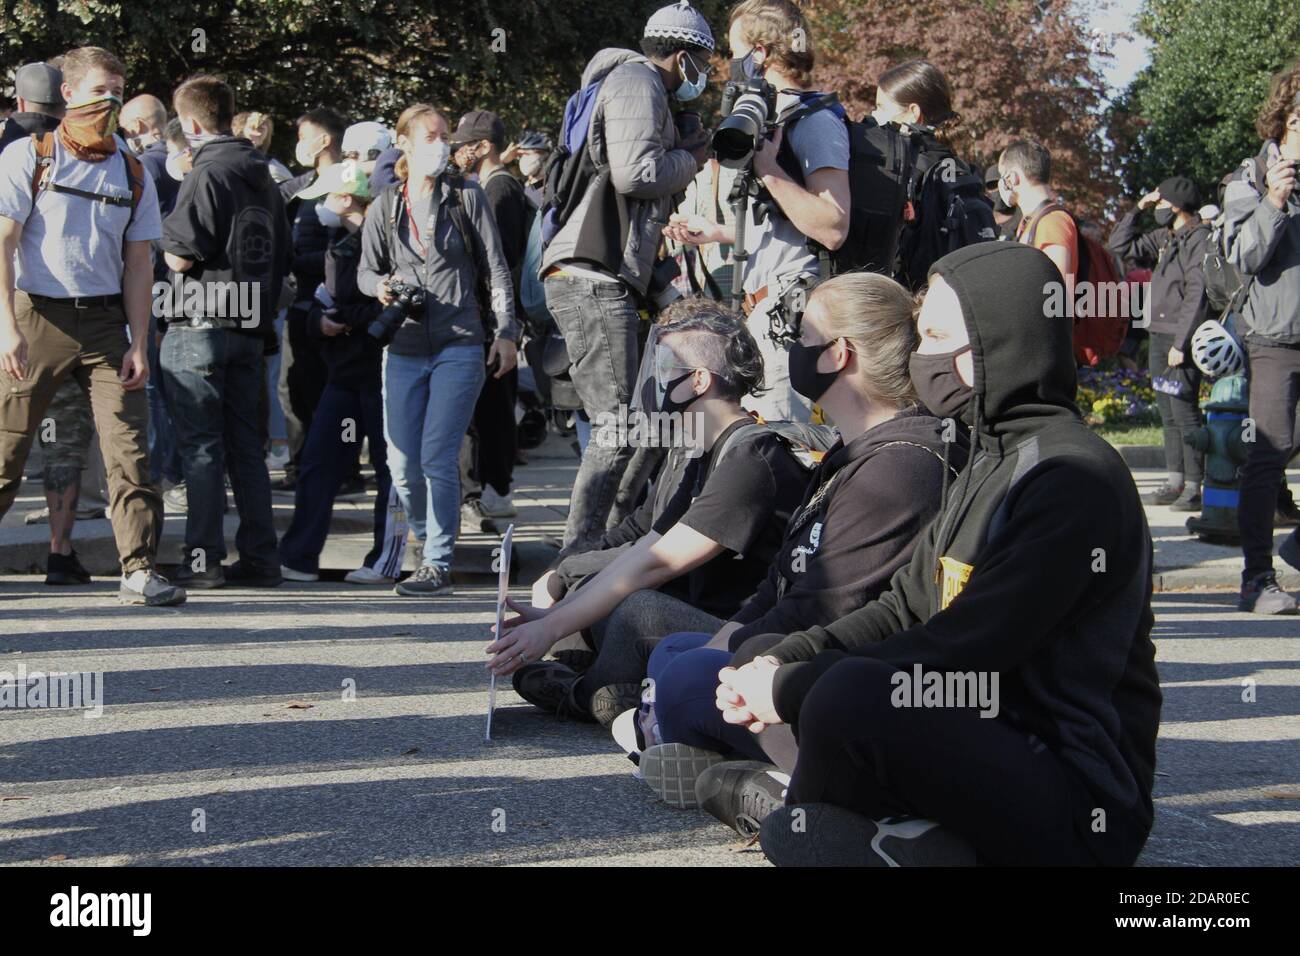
x: 1018, y: 68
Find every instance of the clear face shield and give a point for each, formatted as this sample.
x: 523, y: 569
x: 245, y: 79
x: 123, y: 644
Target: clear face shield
x: 661, y: 371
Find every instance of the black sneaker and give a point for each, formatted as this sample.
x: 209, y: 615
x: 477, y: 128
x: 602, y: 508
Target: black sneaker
x: 1288, y: 515
x: 741, y: 793
x: 428, y: 580
x: 208, y: 579
x: 1261, y: 595
x: 673, y: 772
x: 819, y: 834
x: 63, y: 569
x: 1189, y: 500
x: 611, y: 700
x: 549, y: 686
x: 473, y: 518
x: 243, y: 575
x: 1165, y: 495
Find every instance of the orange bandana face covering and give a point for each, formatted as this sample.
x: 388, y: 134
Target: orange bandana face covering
x: 87, y: 129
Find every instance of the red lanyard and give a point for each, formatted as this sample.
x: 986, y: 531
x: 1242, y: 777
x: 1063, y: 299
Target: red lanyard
x: 410, y: 221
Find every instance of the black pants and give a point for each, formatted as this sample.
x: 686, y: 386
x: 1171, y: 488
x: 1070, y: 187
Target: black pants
x: 1274, y: 391
x: 494, y: 436
x: 1002, y: 790
x: 302, y: 379
x: 1178, y: 415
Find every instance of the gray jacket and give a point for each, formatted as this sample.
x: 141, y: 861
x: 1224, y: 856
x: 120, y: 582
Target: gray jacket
x: 451, y: 309
x: 1264, y: 243
x: 633, y: 143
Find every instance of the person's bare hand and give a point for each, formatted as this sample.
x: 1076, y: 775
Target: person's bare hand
x: 13, y: 351
x: 1175, y: 358
x: 504, y: 354
x: 135, y: 368
x: 330, y: 327
x: 1149, y: 200
x: 1281, y: 182
x: 384, y: 293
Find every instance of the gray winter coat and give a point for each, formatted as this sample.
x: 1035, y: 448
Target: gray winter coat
x: 1264, y: 243
x: 633, y: 143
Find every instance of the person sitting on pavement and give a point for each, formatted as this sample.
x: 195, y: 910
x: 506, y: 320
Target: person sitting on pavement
x: 1015, y: 646
x: 720, y: 530
x: 866, y: 506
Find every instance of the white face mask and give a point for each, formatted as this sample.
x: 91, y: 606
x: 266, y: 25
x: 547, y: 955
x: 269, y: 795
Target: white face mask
x: 530, y: 166
x: 430, y: 159
x: 305, y: 154
x: 328, y: 217
x: 174, y: 166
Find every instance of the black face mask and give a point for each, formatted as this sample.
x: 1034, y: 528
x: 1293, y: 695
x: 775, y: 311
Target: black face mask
x: 804, y: 376
x: 669, y: 404
x: 938, y: 385
x: 1164, y: 216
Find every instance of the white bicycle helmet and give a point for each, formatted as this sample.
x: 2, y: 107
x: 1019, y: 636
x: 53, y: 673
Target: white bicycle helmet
x: 1215, y: 351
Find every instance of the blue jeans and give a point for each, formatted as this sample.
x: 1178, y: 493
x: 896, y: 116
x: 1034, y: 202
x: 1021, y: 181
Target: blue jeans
x: 164, y: 456
x: 214, y: 382
x: 685, y: 675
x: 328, y: 457
x: 428, y: 404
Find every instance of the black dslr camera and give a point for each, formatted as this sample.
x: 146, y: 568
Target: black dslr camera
x: 748, y: 110
x: 408, y: 300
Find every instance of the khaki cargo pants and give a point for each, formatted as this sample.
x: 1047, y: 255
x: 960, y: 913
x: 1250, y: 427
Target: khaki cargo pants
x: 88, y: 345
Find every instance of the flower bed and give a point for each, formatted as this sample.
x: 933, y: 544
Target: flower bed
x: 1114, y: 396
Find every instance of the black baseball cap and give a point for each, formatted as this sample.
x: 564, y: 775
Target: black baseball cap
x: 477, y: 125
x: 991, y: 177
x: 39, y: 83
x: 1181, y: 192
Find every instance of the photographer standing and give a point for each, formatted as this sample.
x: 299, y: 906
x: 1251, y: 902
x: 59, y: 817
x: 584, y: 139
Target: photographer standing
x: 594, y: 275
x: 1262, y: 238
x: 429, y: 247
x: 805, y: 172
x: 1176, y: 252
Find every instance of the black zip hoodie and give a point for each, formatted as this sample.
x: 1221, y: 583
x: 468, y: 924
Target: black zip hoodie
x: 1058, y: 595
x: 865, y: 508
x: 229, y: 218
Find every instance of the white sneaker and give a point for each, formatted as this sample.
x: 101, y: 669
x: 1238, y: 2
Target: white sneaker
x: 149, y: 588
x: 277, y: 459
x: 289, y: 574
x: 176, y: 500
x: 497, y: 506
x: 365, y: 575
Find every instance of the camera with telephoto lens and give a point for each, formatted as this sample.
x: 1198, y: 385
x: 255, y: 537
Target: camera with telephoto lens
x: 748, y: 110
x: 408, y: 301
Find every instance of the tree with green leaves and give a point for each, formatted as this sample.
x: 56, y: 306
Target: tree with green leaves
x: 1192, y: 111
x: 366, y: 58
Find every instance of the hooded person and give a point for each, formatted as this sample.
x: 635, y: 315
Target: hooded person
x: 1013, y: 649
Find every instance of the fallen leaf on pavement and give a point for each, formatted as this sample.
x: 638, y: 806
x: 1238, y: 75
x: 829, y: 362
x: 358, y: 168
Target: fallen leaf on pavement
x: 298, y: 705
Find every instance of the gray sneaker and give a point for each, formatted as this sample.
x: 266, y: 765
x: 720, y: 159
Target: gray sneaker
x: 672, y: 770
x: 176, y: 500
x: 1261, y: 595
x: 149, y: 588
x: 427, y: 581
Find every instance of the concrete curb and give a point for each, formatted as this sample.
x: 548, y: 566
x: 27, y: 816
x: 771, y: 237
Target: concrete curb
x: 1142, y: 456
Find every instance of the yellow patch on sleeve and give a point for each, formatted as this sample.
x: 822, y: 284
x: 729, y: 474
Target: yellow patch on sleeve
x: 955, y: 576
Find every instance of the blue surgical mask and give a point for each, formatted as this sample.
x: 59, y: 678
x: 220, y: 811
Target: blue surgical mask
x: 688, y: 91
x: 328, y: 217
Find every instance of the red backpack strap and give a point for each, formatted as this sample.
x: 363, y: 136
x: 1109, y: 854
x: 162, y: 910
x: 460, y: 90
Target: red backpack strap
x: 1032, y: 230
x: 135, y: 176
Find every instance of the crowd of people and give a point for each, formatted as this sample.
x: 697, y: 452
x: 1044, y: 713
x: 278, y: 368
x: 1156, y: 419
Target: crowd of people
x: 888, y: 603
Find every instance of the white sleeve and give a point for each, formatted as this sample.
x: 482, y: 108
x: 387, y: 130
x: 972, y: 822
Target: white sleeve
x: 17, y: 163
x: 147, y: 223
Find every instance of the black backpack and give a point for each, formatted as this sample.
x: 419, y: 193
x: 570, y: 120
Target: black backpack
x: 949, y: 209
x: 880, y: 169
x: 1225, y: 289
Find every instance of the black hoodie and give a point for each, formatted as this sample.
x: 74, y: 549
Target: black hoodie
x: 1047, y: 563
x: 230, y: 219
